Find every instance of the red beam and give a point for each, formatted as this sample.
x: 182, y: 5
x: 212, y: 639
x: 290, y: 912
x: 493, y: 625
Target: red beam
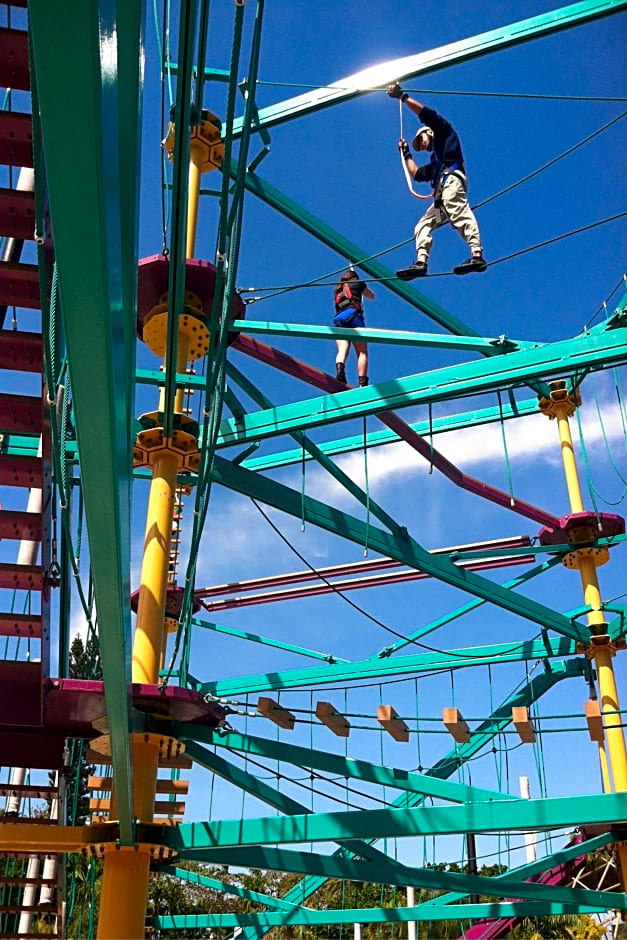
x: 14, y: 59
x: 15, y: 577
x: 19, y: 283
x: 20, y: 525
x: 26, y: 625
x: 20, y: 351
x: 20, y: 471
x: 16, y: 139
x: 17, y: 213
x: 396, y: 577
x: 20, y: 414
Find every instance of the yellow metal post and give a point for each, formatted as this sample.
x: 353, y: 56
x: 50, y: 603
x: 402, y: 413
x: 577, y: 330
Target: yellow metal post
x: 124, y: 896
x: 196, y: 159
x: 612, y: 752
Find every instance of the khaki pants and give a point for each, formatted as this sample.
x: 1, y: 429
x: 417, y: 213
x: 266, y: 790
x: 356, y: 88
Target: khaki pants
x: 455, y: 209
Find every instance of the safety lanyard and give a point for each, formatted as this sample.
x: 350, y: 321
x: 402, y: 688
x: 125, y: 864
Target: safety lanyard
x: 410, y: 184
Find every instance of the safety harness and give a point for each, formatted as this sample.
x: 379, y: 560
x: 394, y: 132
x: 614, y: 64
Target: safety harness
x: 347, y: 304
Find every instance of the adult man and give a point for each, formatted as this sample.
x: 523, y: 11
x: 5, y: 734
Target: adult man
x: 447, y: 174
x: 347, y: 297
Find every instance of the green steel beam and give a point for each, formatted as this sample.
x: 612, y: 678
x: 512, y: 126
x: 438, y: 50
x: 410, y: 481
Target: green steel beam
x: 95, y: 241
x: 266, y: 641
x: 393, y: 337
x: 314, y: 451
x: 449, y: 764
x: 307, y: 917
x: 376, y: 668
x: 385, y: 436
x: 406, y: 550
x: 426, y: 878
x: 193, y: 877
x: 378, y: 76
x: 267, y: 794
x: 510, y: 816
x: 552, y: 359
x: 347, y: 767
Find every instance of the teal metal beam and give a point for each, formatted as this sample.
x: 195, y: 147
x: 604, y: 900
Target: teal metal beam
x: 225, y: 887
x: 266, y: 641
x: 376, y: 668
x: 554, y: 359
x: 433, y: 60
x: 426, y: 878
x: 405, y: 550
x: 353, y: 443
x: 307, y: 917
x: 511, y: 816
x: 340, y: 766
x: 95, y: 242
x: 388, y: 337
x: 314, y: 451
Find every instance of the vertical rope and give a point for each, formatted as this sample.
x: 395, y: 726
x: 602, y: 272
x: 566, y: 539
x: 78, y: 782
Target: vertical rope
x: 507, y: 462
x: 367, y: 491
x: 302, y: 489
x: 430, y: 438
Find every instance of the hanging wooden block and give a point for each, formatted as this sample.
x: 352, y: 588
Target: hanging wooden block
x: 454, y: 722
x: 329, y: 716
x: 520, y: 717
x: 276, y: 713
x: 388, y: 718
x: 594, y: 720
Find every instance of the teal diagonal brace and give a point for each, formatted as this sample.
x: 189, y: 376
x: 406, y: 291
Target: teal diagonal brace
x: 387, y: 337
x: 193, y: 877
x: 347, y: 767
x: 97, y: 264
x: 510, y: 815
x: 325, y: 462
x: 260, y: 923
x: 594, y: 351
x: 378, y: 76
x: 267, y: 794
x: 375, y: 668
x: 406, y: 550
x: 433, y: 880
x: 466, y: 608
x: 449, y: 764
x: 266, y: 641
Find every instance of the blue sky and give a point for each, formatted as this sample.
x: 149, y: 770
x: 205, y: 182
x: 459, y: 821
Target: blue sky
x: 342, y: 165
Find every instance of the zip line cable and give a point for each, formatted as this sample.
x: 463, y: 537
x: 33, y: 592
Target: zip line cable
x: 492, y: 264
x: 375, y: 620
x: 466, y: 94
x: 313, y: 282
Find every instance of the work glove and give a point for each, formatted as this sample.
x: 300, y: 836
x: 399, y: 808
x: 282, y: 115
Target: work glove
x: 395, y: 91
x: 403, y: 146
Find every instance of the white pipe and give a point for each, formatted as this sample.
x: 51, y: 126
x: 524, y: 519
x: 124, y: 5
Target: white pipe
x: 530, y: 837
x: 357, y: 931
x: 411, y: 924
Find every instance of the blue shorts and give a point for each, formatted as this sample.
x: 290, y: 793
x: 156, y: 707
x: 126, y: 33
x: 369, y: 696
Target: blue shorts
x: 357, y: 321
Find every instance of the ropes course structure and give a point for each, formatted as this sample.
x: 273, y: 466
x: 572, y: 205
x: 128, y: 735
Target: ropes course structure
x: 142, y: 743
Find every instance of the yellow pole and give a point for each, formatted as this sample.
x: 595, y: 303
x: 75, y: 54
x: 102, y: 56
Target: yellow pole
x: 613, y: 758
x: 195, y: 173
x: 124, y: 895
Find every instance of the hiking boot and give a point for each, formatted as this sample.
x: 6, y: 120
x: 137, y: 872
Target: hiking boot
x: 417, y: 269
x: 340, y: 372
x: 363, y: 381
x: 476, y: 263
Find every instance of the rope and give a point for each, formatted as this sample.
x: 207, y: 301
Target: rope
x: 408, y: 178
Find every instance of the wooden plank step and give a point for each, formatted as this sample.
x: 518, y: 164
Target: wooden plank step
x: 14, y: 71
x: 17, y: 210
x: 17, y: 470
x: 21, y: 351
x: 16, y: 139
x: 96, y: 820
x: 24, y: 625
x: 15, y: 577
x: 162, y: 807
x: 19, y: 283
x: 20, y: 414
x: 180, y: 787
x: 182, y: 762
x: 20, y: 525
